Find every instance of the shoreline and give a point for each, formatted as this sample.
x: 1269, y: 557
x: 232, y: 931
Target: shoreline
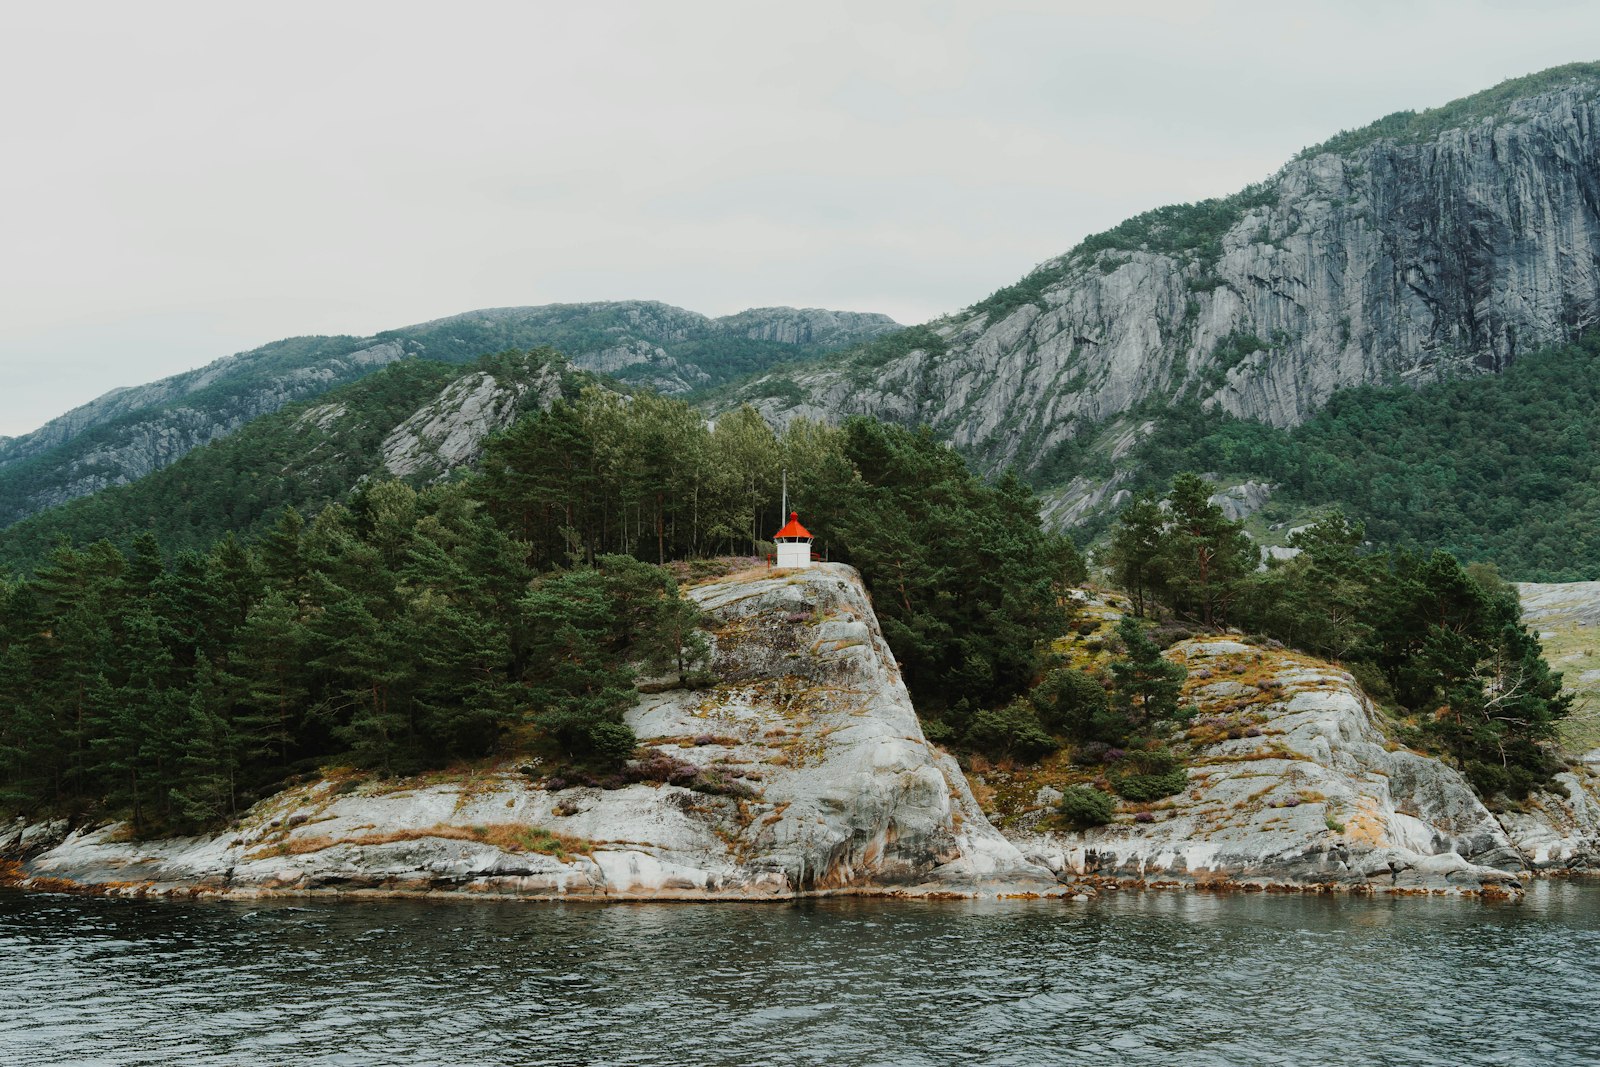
x: 13, y: 876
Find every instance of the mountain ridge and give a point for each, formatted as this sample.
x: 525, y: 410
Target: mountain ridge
x: 1396, y: 259
x: 130, y: 431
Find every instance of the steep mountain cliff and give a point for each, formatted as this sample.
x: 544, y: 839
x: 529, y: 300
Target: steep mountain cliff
x: 1429, y: 245
x: 128, y: 433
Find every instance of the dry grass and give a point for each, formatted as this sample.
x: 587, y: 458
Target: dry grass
x: 508, y: 837
x: 1574, y: 651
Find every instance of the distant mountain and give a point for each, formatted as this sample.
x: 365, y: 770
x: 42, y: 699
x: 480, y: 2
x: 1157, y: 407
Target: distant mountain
x: 128, y: 433
x: 1428, y: 246
x: 417, y: 419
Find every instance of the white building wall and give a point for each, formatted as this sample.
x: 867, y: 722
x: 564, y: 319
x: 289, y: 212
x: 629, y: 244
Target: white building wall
x: 794, y: 554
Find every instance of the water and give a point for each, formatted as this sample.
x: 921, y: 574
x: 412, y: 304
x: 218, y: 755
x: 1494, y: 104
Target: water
x: 1135, y: 978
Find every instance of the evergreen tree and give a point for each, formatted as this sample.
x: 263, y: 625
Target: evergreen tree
x: 1146, y: 685
x: 1135, y: 551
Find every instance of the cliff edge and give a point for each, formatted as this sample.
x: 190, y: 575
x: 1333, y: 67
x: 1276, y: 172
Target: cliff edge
x: 804, y: 771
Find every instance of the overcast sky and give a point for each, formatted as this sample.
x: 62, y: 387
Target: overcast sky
x: 185, y: 180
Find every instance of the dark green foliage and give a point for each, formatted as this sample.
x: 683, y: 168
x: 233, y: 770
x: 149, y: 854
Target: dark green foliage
x: 242, y: 483
x: 1145, y: 685
x: 1084, y: 807
x: 1149, y: 774
x: 1012, y: 730
x: 964, y: 581
x: 1071, y: 702
x: 1141, y: 788
x: 1203, y: 556
x: 1495, y: 468
x: 1413, y: 126
x: 400, y: 632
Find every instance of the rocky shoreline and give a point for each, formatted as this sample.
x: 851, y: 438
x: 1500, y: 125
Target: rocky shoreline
x: 805, y: 774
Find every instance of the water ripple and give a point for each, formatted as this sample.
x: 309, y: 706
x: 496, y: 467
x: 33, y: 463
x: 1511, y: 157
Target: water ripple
x: 1135, y: 979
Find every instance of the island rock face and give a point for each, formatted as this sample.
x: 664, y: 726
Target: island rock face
x: 1293, y: 782
x: 803, y: 771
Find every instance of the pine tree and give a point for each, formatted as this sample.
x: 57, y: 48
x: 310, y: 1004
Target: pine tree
x: 1134, y: 554
x: 1146, y: 684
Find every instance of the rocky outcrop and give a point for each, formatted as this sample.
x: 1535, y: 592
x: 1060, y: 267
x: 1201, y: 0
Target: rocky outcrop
x: 1294, y: 784
x: 1385, y: 258
x: 806, y: 326
x: 128, y: 433
x: 450, y: 432
x: 806, y: 772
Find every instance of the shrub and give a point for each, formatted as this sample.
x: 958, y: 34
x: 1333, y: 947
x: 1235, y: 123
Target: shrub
x: 610, y: 743
x: 1150, y: 775
x: 1069, y: 702
x: 1013, y: 730
x: 1144, y: 787
x: 1083, y: 806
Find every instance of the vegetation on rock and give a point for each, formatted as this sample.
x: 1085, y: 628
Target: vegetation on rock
x: 1442, y: 641
x: 1494, y: 468
x: 402, y: 629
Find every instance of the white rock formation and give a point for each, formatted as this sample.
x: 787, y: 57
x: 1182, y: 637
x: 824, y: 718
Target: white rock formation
x: 450, y: 431
x: 1309, y: 794
x: 814, y: 777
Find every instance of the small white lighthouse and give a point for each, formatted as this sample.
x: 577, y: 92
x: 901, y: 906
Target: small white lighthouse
x: 794, y: 543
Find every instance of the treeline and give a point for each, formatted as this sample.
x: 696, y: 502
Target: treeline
x: 505, y: 612
x: 1495, y: 468
x: 1439, y: 642
x: 964, y: 580
x: 397, y: 633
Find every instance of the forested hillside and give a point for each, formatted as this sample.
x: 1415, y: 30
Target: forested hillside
x: 1503, y: 470
x: 128, y: 433
x: 305, y: 456
x: 502, y: 614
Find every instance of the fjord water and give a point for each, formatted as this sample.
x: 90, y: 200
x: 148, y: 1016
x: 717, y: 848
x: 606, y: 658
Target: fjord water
x: 1134, y: 978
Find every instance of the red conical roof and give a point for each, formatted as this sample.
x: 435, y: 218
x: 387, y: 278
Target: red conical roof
x: 793, y: 530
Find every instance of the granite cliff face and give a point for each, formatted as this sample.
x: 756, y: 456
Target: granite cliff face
x: 1443, y: 244
x: 449, y: 432
x: 805, y: 771
x: 811, y: 776
x: 128, y: 433
x: 1294, y: 782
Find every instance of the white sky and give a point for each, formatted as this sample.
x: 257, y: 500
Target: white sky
x: 184, y: 180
